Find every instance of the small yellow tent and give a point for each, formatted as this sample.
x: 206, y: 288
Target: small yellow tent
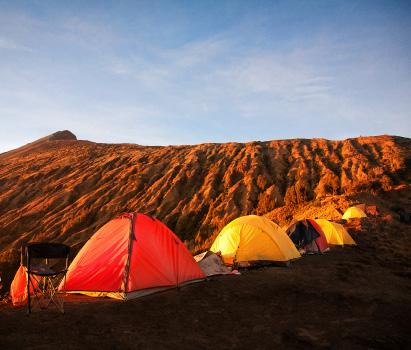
x: 254, y: 238
x: 354, y: 212
x: 335, y: 233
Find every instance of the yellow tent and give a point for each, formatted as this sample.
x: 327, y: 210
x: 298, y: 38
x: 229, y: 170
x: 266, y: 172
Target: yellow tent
x: 254, y: 238
x: 335, y: 233
x: 354, y: 212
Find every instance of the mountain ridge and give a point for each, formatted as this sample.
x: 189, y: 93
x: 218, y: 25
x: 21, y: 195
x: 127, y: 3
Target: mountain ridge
x: 67, y: 135
x: 60, y: 188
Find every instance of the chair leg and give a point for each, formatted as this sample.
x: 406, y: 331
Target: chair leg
x: 58, y: 299
x: 45, y: 293
x: 53, y: 296
x: 64, y: 287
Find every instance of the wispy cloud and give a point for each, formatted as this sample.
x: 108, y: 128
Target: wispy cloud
x: 120, y: 75
x: 216, y: 74
x: 88, y: 33
x: 6, y: 44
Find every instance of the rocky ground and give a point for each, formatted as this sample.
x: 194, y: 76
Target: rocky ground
x: 351, y: 298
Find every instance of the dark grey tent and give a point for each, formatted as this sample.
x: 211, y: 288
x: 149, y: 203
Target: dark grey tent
x: 308, y: 236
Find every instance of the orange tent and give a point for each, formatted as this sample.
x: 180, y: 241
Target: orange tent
x: 18, y: 288
x: 130, y: 256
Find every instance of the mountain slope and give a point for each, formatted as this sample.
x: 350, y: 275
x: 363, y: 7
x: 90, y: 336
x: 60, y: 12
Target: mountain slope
x: 60, y: 188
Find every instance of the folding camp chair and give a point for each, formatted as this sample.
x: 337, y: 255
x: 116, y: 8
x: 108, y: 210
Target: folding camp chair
x: 45, y: 275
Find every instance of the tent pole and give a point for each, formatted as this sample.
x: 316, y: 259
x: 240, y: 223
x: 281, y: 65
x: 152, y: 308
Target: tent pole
x: 130, y: 247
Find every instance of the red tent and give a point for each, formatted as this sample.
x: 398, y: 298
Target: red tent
x: 321, y: 240
x: 130, y: 256
x: 308, y: 235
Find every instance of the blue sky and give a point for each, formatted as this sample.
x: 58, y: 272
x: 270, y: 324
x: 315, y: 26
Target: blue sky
x: 184, y: 72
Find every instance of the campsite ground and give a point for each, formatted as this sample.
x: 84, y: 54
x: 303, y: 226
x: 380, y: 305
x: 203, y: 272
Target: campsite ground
x: 351, y: 298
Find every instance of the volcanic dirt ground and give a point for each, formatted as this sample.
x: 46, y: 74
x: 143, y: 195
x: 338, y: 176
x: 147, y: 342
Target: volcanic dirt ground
x: 350, y: 298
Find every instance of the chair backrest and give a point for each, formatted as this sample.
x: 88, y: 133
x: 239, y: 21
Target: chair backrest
x: 44, y: 251
x: 47, y: 250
